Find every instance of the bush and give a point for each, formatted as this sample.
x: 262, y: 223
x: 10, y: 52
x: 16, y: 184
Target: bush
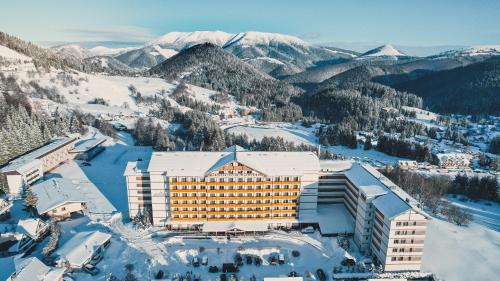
x: 295, y: 253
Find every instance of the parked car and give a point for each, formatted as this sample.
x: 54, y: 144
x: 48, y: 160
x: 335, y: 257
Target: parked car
x: 272, y: 260
x: 348, y: 262
x: 204, y: 260
x: 308, y: 230
x: 258, y: 260
x: 233, y: 277
x: 238, y: 259
x: 95, y: 259
x: 321, y: 274
x: 196, y: 262
x: 249, y: 259
x: 281, y: 259
x: 197, y: 278
x: 223, y: 277
x: 91, y: 269
x: 292, y: 274
x: 213, y: 269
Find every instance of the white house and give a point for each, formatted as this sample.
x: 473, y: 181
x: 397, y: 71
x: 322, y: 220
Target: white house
x: 34, y: 228
x: 32, y: 269
x: 59, y: 198
x: 81, y: 248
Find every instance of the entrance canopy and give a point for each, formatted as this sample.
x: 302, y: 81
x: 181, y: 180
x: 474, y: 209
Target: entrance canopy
x: 235, y: 226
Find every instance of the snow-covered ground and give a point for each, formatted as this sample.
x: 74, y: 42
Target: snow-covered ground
x: 289, y: 132
x: 484, y: 212
x: 461, y: 253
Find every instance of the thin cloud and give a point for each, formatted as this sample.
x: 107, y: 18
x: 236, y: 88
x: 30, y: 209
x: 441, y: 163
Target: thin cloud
x: 119, y: 33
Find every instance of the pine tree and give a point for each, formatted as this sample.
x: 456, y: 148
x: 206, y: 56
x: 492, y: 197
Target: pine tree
x: 30, y: 200
x: 368, y: 143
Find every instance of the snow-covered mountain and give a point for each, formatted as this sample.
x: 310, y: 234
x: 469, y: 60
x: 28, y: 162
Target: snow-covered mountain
x: 278, y: 54
x: 383, y: 51
x: 483, y: 50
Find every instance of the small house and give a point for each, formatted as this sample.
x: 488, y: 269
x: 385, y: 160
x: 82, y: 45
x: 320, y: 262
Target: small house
x: 32, y: 269
x: 81, y: 248
x: 59, y: 198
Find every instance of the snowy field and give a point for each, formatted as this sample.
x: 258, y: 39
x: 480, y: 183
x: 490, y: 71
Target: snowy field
x: 462, y: 253
x: 289, y: 132
x: 302, y: 135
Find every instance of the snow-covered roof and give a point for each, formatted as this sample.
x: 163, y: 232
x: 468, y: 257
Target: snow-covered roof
x: 58, y: 191
x: 30, y: 227
x: 188, y: 163
x: 32, y: 269
x: 391, y: 205
x: 371, y: 191
x: 87, y: 144
x: 80, y: 248
x: 219, y: 226
x: 335, y: 165
x: 360, y: 176
x: 29, y: 160
x: 453, y: 156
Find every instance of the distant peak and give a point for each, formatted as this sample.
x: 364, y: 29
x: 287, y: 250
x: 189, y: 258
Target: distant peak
x: 195, y: 37
x: 384, y: 50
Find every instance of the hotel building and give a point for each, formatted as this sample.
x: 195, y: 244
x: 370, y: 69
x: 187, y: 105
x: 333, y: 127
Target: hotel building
x: 236, y: 191
x: 29, y: 168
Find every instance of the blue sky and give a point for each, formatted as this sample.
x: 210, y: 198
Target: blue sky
x: 403, y: 22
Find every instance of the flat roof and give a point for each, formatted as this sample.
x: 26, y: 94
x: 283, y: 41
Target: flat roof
x: 332, y: 219
x: 87, y: 144
x: 391, y: 205
x: 25, y: 161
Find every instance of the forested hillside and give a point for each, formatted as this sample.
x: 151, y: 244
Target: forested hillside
x: 473, y: 89
x: 42, y: 58
x: 209, y: 66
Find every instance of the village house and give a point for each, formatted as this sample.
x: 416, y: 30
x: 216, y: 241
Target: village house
x: 32, y: 269
x: 59, y: 198
x: 454, y: 160
x: 81, y: 248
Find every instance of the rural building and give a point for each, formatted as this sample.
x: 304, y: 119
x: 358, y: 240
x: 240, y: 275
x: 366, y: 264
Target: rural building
x: 81, y: 248
x: 238, y: 191
x: 35, y: 228
x: 87, y: 149
x: 59, y: 198
x: 32, y: 269
x: 454, y: 160
x: 27, y: 169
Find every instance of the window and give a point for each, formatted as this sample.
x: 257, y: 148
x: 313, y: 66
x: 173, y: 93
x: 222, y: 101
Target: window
x: 398, y: 223
x: 393, y: 259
